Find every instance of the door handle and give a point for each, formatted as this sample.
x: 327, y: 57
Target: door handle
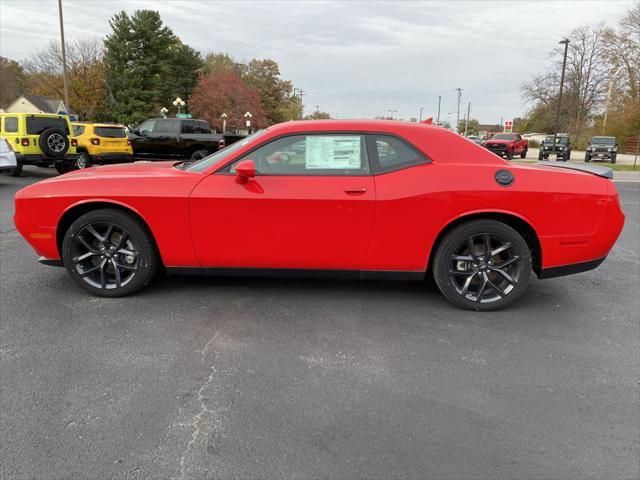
x: 355, y: 191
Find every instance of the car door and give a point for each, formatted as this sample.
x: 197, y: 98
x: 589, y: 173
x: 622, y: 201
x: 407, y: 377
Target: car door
x: 310, y: 206
x: 163, y: 138
x: 140, y: 139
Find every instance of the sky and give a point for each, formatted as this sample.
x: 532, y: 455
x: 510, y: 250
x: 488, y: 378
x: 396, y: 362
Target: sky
x: 355, y: 58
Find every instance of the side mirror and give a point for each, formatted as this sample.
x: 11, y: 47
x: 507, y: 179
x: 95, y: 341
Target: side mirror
x: 245, y: 170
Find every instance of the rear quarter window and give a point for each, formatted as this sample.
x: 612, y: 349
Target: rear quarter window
x: 110, y: 132
x: 37, y: 125
x: 10, y: 124
x: 78, y: 130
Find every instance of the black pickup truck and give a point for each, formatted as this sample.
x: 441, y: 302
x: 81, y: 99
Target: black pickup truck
x: 179, y: 138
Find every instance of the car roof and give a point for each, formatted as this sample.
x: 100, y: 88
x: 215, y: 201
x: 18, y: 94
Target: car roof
x: 347, y: 125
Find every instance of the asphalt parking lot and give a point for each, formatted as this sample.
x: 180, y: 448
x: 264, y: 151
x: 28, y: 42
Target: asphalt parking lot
x: 198, y: 378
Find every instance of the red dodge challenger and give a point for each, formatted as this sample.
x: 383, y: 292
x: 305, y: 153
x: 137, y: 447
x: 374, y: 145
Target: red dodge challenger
x: 355, y: 199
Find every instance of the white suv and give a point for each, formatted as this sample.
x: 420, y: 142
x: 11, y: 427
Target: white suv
x: 7, y: 157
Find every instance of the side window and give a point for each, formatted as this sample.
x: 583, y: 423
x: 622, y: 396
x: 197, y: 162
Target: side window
x: 163, y: 127
x: 78, y: 130
x: 517, y: 137
x: 202, y: 127
x: 189, y: 126
x: 146, y: 126
x: 10, y: 124
x: 343, y: 154
x: 395, y: 154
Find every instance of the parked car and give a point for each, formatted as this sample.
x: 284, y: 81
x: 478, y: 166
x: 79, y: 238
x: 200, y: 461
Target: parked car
x: 508, y: 145
x: 605, y: 148
x: 40, y: 139
x: 561, y: 149
x: 174, y: 138
x: 475, y: 139
x: 356, y: 199
x: 8, y: 161
x: 101, y: 143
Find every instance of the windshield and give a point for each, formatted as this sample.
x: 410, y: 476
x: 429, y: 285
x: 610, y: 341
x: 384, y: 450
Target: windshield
x: 206, y: 162
x: 502, y: 136
x: 603, y: 140
x: 560, y: 140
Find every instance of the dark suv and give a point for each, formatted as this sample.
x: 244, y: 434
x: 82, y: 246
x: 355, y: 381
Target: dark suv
x: 561, y: 149
x: 605, y: 148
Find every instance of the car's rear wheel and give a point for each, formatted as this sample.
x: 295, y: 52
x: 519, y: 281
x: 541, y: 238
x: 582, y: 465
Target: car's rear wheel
x: 482, y: 265
x: 199, y: 155
x: 83, y: 160
x: 524, y: 153
x: 64, y: 167
x: 109, y: 253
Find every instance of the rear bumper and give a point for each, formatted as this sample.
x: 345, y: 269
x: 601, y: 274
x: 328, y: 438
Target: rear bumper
x: 563, y: 270
x: 112, y: 157
x: 29, y: 159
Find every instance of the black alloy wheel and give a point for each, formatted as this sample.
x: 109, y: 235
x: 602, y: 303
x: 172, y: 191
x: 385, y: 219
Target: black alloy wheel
x: 482, y: 265
x: 109, y: 252
x: 199, y: 155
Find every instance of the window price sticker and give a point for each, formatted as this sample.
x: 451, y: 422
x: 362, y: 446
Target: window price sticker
x: 333, y: 152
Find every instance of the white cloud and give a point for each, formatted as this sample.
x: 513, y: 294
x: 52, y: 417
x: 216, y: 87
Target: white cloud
x: 355, y: 58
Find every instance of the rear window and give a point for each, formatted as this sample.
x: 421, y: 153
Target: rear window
x: 10, y: 124
x: 37, y: 125
x: 110, y: 132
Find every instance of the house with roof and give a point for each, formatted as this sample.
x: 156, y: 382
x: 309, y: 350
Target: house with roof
x: 36, y: 104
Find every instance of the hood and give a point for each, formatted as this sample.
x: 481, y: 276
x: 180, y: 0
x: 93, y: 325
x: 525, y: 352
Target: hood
x: 129, y: 170
x: 499, y: 142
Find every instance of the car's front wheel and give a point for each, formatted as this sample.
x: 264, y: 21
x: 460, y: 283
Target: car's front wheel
x: 524, y: 153
x: 482, y: 265
x: 17, y: 170
x: 109, y: 253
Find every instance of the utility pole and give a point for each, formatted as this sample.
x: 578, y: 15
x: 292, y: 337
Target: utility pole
x: 421, y: 109
x: 439, y: 102
x: 64, y: 58
x: 238, y: 97
x: 317, y: 109
x: 458, y: 110
x: 466, y: 124
x: 564, y: 65
x: 606, y: 105
x: 301, y: 92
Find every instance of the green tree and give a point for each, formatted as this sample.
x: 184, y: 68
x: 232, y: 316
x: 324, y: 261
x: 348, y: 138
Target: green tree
x: 146, y: 65
x: 264, y: 76
x: 473, y: 128
x: 11, y: 81
x: 215, y: 63
x: 317, y: 115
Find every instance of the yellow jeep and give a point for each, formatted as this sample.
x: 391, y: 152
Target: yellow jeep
x: 100, y: 143
x: 40, y: 139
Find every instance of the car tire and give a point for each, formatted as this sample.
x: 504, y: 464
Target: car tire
x: 540, y: 157
x: 17, y: 170
x: 477, y: 283
x: 524, y: 153
x: 199, y: 155
x: 54, y: 143
x: 587, y: 158
x: 110, y: 253
x: 83, y: 161
x: 613, y: 158
x: 64, y: 167
x: 510, y: 155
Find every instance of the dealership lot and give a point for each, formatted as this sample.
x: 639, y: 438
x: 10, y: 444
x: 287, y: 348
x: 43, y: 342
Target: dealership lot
x: 261, y: 378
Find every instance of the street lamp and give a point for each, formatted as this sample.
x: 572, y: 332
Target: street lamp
x: 163, y: 112
x: 248, y: 116
x: 421, y: 109
x: 224, y: 122
x: 178, y: 102
x: 564, y: 42
x: 391, y: 112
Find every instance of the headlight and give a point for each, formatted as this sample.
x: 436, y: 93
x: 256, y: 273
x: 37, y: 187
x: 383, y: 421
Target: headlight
x: 609, y: 149
x: 588, y: 149
x: 561, y: 148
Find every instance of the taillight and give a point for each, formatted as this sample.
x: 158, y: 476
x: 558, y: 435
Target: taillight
x: 95, y: 141
x: 74, y: 142
x: 25, y: 142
